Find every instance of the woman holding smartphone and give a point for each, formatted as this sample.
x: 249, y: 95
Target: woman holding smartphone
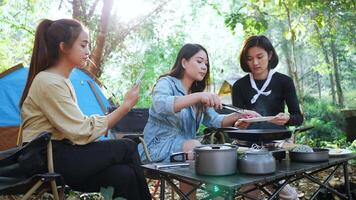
x: 49, y: 104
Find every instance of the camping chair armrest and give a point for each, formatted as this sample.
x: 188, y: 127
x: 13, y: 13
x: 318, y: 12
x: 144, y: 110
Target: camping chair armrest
x: 50, y: 157
x: 8, y: 152
x: 145, y: 149
x: 51, y: 170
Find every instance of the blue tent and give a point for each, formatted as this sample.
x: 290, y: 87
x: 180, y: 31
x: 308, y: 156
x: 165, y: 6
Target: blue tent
x: 90, y: 97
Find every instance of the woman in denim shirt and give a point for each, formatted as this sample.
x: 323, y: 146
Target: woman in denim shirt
x: 180, y: 106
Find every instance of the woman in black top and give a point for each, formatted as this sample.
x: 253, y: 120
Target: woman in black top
x: 266, y: 91
x: 263, y: 89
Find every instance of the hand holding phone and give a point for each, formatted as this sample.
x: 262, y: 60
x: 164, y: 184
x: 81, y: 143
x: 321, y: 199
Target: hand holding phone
x: 139, y: 77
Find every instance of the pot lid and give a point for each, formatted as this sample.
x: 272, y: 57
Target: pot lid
x: 216, y: 147
x: 256, y: 151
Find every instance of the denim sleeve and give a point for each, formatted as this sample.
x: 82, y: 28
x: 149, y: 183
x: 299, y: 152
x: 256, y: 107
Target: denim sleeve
x: 163, y: 97
x: 212, y: 118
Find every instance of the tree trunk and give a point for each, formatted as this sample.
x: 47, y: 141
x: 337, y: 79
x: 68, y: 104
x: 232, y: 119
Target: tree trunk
x: 293, y: 63
x: 288, y: 59
x: 337, y: 76
x: 318, y: 83
x: 100, y: 39
x: 302, y: 73
x: 326, y: 57
x: 76, y: 9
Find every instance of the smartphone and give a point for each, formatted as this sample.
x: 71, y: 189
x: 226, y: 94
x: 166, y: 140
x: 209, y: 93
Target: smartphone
x: 139, y: 77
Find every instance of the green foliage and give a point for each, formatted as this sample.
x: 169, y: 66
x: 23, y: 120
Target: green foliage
x: 252, y: 19
x: 335, y: 21
x: 327, y: 121
x: 18, y: 21
x: 156, y: 57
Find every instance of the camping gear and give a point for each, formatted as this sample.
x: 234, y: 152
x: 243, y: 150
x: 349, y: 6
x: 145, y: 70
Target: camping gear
x: 20, y: 167
x: 133, y: 121
x: 225, y: 89
x: 319, y: 155
x: 257, y: 135
x: 278, y: 153
x: 215, y: 160
x: 256, y: 161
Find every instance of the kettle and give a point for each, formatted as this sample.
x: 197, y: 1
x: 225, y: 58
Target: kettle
x: 256, y: 161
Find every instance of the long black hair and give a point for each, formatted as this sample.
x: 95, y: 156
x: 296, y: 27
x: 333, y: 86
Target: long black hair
x: 186, y: 52
x: 45, y: 53
x: 262, y: 42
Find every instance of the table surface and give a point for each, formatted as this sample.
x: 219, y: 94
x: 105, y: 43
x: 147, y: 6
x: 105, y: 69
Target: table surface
x: 284, y: 168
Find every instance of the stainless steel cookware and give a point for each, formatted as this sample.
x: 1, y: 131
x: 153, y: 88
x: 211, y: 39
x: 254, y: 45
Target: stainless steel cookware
x: 319, y: 155
x: 215, y: 160
x: 256, y: 161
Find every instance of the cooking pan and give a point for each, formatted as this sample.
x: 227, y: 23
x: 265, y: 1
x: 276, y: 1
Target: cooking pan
x: 319, y: 155
x: 254, y: 135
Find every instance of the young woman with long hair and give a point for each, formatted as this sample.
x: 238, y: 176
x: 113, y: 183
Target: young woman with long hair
x: 49, y: 104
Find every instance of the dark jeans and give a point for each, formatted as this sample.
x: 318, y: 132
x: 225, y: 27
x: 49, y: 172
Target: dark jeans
x: 113, y: 163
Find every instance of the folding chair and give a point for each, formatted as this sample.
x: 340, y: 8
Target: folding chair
x: 20, y: 169
x: 131, y: 126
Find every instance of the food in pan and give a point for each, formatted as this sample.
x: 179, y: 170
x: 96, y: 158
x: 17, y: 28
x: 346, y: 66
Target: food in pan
x: 302, y: 148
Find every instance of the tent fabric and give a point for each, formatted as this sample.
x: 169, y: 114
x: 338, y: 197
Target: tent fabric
x: 11, y: 88
x: 13, y: 83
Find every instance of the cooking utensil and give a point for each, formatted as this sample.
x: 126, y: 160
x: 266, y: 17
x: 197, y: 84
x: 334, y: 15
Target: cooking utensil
x: 233, y: 108
x: 215, y: 160
x: 256, y: 161
x: 253, y: 135
x: 169, y: 166
x: 319, y: 155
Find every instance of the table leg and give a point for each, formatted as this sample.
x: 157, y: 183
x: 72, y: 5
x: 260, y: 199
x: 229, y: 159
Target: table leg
x: 321, y: 185
x: 263, y: 189
x: 230, y: 194
x: 175, y: 188
x: 245, y: 195
x: 162, y: 189
x: 279, y: 189
x: 347, y: 183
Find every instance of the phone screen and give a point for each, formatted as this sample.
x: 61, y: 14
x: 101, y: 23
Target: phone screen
x: 139, y: 77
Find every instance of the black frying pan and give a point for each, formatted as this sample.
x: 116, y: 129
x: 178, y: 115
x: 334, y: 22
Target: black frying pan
x: 253, y: 135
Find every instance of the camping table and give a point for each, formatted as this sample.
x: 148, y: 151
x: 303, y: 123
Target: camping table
x: 286, y: 170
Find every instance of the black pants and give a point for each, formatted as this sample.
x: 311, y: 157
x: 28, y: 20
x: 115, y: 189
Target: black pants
x: 113, y: 163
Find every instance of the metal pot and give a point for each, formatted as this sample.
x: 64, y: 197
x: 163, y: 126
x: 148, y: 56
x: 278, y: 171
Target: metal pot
x: 319, y: 155
x: 215, y: 160
x: 256, y: 161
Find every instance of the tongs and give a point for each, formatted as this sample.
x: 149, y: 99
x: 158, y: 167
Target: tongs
x: 233, y: 108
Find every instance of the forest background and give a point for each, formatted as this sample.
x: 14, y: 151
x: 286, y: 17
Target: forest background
x: 315, y: 41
